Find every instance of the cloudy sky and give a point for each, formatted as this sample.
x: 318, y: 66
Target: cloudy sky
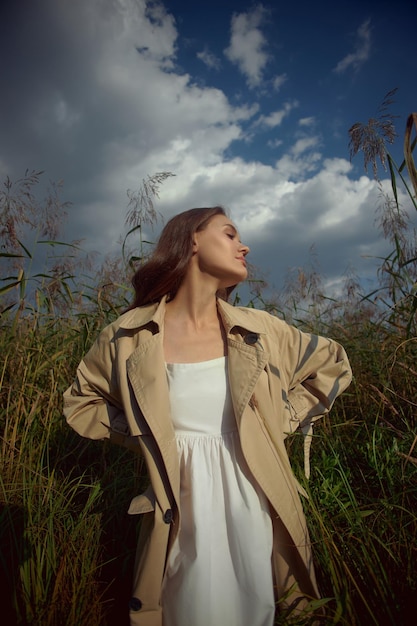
x: 248, y: 104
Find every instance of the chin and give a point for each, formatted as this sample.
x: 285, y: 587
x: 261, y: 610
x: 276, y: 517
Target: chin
x: 234, y: 282
x: 242, y: 277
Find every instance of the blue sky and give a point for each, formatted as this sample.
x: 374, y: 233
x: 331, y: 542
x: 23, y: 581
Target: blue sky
x: 247, y: 103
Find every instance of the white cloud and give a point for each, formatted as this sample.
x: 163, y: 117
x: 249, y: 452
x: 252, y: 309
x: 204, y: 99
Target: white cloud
x: 209, y: 59
x: 276, y: 117
x: 307, y: 121
x: 278, y: 81
x: 327, y: 210
x: 275, y: 143
x: 304, y: 144
x: 361, y: 52
x: 298, y: 166
x: 247, y: 47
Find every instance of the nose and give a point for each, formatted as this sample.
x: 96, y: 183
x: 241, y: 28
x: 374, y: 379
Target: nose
x: 244, y: 249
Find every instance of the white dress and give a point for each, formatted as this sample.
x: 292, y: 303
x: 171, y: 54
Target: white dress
x: 219, y: 571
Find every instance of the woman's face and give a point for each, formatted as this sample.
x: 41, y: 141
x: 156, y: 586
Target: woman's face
x: 219, y: 252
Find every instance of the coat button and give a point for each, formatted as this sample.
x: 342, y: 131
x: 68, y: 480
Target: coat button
x: 135, y: 604
x: 168, y: 516
x: 251, y: 338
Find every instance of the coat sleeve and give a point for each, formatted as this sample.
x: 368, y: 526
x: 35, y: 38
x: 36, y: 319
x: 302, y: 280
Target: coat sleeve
x: 317, y: 371
x: 92, y: 404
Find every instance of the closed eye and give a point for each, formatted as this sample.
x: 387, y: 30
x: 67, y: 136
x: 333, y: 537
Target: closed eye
x: 232, y: 232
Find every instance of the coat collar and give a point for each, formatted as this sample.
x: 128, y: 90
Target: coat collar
x: 231, y: 317
x: 241, y: 317
x: 144, y: 315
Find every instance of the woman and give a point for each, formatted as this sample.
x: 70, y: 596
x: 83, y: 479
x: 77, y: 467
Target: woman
x: 207, y: 392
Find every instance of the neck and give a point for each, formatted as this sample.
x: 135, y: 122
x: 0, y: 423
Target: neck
x: 194, y: 304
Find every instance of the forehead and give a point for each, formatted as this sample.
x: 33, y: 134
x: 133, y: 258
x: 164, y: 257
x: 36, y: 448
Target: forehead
x: 221, y: 221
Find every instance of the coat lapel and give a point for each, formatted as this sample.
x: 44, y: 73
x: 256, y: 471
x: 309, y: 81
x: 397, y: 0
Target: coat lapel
x: 245, y: 364
x: 146, y: 371
x: 147, y: 375
x: 246, y: 355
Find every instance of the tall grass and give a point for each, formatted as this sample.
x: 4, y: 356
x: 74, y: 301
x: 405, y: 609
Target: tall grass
x: 67, y: 545
x: 60, y: 495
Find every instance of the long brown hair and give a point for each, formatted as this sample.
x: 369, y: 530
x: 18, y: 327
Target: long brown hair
x: 164, y: 272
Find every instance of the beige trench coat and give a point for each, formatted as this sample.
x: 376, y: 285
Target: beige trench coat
x: 280, y: 378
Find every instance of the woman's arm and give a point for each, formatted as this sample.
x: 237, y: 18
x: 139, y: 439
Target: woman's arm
x: 92, y: 404
x: 318, y: 371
